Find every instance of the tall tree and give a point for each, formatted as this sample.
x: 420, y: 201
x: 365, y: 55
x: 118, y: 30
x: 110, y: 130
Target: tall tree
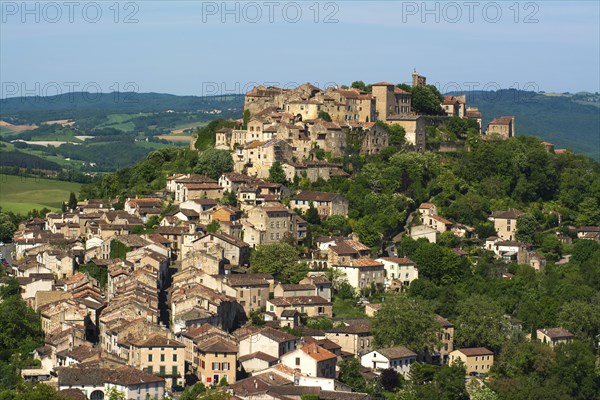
x: 72, y: 201
x: 7, y: 227
x: 280, y: 260
x: 276, y: 173
x: 213, y: 163
x: 480, y: 322
x: 426, y: 99
x: 404, y: 321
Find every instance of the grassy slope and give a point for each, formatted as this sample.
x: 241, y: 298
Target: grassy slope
x: 21, y: 194
x: 347, y: 309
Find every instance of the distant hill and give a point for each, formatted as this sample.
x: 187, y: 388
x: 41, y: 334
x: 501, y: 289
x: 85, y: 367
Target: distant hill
x: 567, y: 120
x: 79, y: 105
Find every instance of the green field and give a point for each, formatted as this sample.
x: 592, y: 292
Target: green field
x: 22, y: 194
x: 121, y: 121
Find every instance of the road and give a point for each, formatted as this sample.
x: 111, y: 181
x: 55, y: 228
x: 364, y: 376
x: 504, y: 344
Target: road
x: 7, y: 251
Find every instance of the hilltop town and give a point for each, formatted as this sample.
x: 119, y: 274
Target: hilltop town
x: 261, y: 281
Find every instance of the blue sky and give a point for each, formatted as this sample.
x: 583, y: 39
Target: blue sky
x: 193, y: 47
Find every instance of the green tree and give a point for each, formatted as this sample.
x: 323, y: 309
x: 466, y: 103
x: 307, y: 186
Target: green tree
x: 360, y: 85
x: 527, y: 227
x: 390, y: 379
x: 192, y: 392
x: 7, y: 227
x: 312, y: 215
x: 213, y: 163
x: 336, y: 225
x: 213, y: 227
x: 276, y: 173
x: 426, y: 99
x: 72, y: 204
x: 396, y: 134
x: 114, y: 394
x: 324, y: 116
x: 96, y: 272
x: 404, y: 321
x: 589, y: 212
x: 280, y: 260
x: 245, y: 118
x: 20, y: 328
x: 484, y: 393
x: 480, y: 322
x: 118, y: 249
x: 581, y: 318
x: 10, y: 288
x: 152, y: 222
x: 551, y: 247
x: 229, y: 198
x: 350, y: 374
x: 583, y: 250
x: 576, y: 369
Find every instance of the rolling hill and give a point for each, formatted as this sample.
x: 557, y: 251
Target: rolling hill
x: 568, y: 121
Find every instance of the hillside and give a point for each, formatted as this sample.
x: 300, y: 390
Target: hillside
x: 22, y: 194
x: 568, y: 121
x: 79, y: 105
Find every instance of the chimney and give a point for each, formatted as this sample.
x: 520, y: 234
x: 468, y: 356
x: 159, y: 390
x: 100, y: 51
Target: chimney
x: 270, y: 377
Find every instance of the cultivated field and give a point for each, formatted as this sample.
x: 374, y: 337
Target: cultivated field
x: 15, y: 128
x: 21, y: 194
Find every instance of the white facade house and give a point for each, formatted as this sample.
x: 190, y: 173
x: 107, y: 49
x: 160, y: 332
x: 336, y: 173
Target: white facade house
x: 311, y: 360
x: 402, y: 269
x: 399, y: 358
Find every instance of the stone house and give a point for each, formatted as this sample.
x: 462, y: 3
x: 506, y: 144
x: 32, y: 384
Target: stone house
x: 554, y: 336
x: 475, y: 359
x: 312, y: 306
x: 355, y: 337
x: 505, y: 223
x: 235, y: 251
x: 270, y: 341
x: 414, y: 126
x: 216, y: 360
x: 401, y: 269
x: 503, y: 127
x: 389, y: 100
x: 160, y: 355
x: 326, y: 203
x: 362, y: 273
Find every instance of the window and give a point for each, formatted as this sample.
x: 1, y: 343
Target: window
x: 175, y: 357
x: 162, y: 357
x: 162, y: 370
x: 149, y: 357
x: 225, y: 366
x: 174, y: 371
x: 297, y: 360
x: 215, y: 366
x: 149, y: 369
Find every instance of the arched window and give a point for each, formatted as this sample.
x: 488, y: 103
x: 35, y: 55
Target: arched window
x: 97, y: 395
